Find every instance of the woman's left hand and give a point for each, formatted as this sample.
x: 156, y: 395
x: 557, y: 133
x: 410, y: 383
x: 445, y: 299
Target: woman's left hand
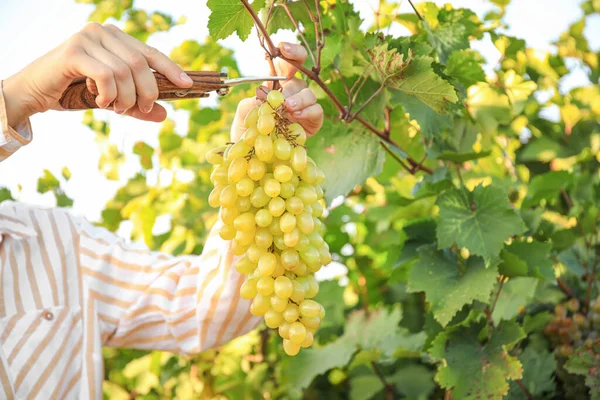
x: 300, y: 102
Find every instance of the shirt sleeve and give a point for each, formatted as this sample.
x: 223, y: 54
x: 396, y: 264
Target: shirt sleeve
x: 150, y: 300
x: 11, y: 138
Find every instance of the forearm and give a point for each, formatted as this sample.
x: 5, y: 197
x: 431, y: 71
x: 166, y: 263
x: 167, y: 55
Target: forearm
x: 18, y: 108
x: 153, y: 301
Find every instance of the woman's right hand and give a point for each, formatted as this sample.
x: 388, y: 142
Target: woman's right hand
x: 118, y: 63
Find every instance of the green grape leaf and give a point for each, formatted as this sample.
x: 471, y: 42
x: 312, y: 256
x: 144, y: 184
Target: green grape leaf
x: 229, y: 16
x: 377, y: 330
x: 480, y: 220
x: 66, y: 173
x: 517, y: 89
x: 372, y: 330
x: 538, y: 371
x: 488, y: 107
x: 515, y: 295
x: 512, y: 265
x: 586, y: 361
x: 418, y: 79
x: 347, y: 155
x: 476, y: 371
x: 364, y: 387
x: 280, y: 19
x: 62, y: 200
x: 47, y: 182
x: 547, y: 187
x: 431, y: 123
x: 299, y: 371
x: 449, y: 29
x: 5, y: 194
x: 110, y: 160
x: 145, y: 152
x: 330, y: 293
x: 107, y: 9
x: 535, y: 255
x: 542, y: 149
x: 433, y: 184
x: 413, y: 381
x: 465, y: 66
x: 446, y: 286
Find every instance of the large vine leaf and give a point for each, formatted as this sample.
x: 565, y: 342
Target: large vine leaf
x: 475, y: 371
x: 376, y: 330
x: 449, y: 29
x: 430, y: 122
x: 538, y: 371
x: 412, y: 75
x: 488, y: 107
x: 531, y: 258
x: 480, y: 220
x: 348, y: 156
x: 465, y: 66
x: 229, y: 16
x: 446, y: 286
x: 280, y: 20
x: 514, y: 296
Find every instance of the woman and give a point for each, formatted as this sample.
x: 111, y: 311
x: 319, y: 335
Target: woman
x: 67, y: 288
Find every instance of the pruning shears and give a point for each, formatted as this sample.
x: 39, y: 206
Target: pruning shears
x: 81, y: 94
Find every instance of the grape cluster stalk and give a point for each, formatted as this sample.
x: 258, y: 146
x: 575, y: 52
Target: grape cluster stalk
x: 270, y: 198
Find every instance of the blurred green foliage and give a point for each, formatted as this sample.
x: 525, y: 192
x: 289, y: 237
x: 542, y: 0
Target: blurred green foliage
x: 450, y: 275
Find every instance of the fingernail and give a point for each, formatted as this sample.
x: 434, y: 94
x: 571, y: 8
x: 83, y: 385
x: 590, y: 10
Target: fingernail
x: 287, y: 48
x: 297, y: 113
x: 291, y: 103
x: 146, y: 110
x: 185, y: 77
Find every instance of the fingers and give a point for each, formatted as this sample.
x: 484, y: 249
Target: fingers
x: 293, y: 86
x: 158, y: 114
x: 86, y: 65
x: 301, y: 107
x: 126, y: 89
x: 154, y: 58
x: 303, y: 99
x: 311, y: 118
x: 130, y: 62
x: 293, y: 52
x: 143, y: 78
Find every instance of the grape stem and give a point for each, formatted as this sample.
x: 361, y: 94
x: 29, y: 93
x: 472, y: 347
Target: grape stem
x: 415, y: 10
x: 390, y: 392
x: 313, y: 74
x: 524, y: 389
x: 502, y: 280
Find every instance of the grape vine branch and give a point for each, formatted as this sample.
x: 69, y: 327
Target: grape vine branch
x: 313, y: 74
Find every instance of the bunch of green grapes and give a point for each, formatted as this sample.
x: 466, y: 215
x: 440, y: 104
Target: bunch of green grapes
x: 271, y: 200
x: 571, y: 327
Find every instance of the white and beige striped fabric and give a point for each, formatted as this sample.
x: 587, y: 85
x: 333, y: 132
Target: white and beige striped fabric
x: 67, y: 288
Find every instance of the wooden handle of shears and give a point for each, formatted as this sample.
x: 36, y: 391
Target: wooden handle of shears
x: 81, y: 94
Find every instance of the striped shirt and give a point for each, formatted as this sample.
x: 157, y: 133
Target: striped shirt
x: 67, y: 288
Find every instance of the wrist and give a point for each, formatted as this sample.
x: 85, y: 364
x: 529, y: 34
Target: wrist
x: 18, y: 107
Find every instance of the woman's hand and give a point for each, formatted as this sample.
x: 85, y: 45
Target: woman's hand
x: 118, y: 63
x: 300, y: 102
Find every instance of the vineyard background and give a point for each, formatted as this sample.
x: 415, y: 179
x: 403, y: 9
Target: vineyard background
x: 468, y: 273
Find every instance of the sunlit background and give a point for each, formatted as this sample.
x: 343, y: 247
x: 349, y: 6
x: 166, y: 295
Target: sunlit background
x: 29, y: 28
